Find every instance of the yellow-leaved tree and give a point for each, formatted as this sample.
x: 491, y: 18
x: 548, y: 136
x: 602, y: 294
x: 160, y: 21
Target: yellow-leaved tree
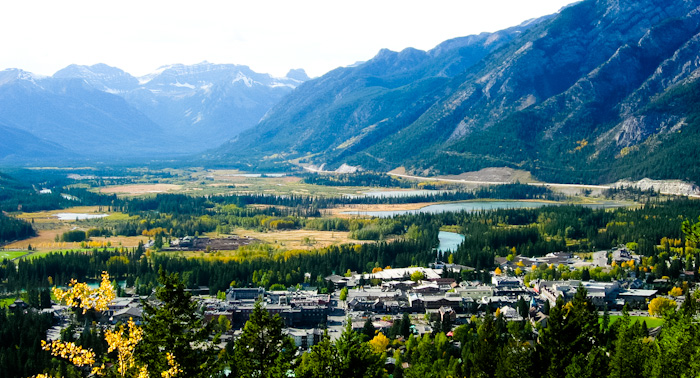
x: 123, y: 340
x: 379, y: 343
x: 661, y: 306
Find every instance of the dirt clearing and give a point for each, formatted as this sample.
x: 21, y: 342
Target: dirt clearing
x: 138, y: 189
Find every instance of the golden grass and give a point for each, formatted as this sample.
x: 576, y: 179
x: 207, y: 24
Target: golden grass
x: 48, y: 227
x: 45, y: 241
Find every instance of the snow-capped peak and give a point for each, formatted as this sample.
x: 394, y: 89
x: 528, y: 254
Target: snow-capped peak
x: 12, y: 74
x: 245, y: 79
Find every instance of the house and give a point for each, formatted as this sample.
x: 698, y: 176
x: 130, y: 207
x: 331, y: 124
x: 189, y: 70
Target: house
x: 427, y: 288
x: 637, y: 298
x: 304, y: 338
x: 401, y: 274
x: 443, y: 313
x: 510, y: 313
x: 621, y: 255
x: 419, y: 302
x: 503, y: 282
x: 235, y: 293
x: 134, y: 313
x: 338, y: 281
x: 474, y: 292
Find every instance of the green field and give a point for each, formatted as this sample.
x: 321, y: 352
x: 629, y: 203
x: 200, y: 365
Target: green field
x: 12, y: 254
x: 651, y: 321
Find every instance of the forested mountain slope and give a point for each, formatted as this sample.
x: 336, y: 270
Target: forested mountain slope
x: 603, y: 90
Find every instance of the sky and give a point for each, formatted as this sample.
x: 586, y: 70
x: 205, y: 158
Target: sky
x: 269, y: 36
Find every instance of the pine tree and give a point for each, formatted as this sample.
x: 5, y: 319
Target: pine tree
x: 175, y: 326
x: 356, y: 357
x: 572, y: 329
x: 263, y: 350
x: 321, y: 361
x: 368, y: 329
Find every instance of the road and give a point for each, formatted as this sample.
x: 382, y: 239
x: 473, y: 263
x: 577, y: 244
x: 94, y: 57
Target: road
x: 336, y: 317
x: 547, y: 184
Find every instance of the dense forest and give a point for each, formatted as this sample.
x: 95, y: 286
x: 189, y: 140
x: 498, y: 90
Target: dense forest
x: 14, y: 229
x: 652, y: 230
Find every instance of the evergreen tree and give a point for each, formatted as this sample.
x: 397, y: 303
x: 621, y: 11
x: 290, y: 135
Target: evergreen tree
x: 45, y: 298
x: 405, y: 325
x: 368, y: 329
x: 572, y: 330
x: 356, y: 357
x: 263, y: 350
x: 348, y: 357
x: 630, y: 352
x: 321, y: 361
x: 174, y: 325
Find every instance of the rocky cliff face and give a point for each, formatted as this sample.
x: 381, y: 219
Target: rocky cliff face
x: 601, y: 91
x: 343, y: 113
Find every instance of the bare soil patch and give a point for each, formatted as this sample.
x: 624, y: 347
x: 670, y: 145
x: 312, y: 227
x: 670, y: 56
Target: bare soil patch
x: 494, y: 175
x: 136, y: 189
x: 227, y: 243
x: 302, y: 239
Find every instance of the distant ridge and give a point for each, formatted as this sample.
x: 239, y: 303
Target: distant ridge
x: 102, y: 112
x: 602, y: 91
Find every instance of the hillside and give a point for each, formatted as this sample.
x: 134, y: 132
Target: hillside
x: 202, y: 104
x: 604, y: 90
x: 72, y: 115
x: 101, y: 112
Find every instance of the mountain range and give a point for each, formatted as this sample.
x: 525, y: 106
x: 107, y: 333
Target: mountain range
x: 102, y: 112
x: 600, y: 91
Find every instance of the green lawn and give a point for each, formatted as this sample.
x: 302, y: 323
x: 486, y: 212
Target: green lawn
x: 11, y: 254
x: 651, y: 321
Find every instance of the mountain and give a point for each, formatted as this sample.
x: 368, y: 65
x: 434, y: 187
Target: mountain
x: 602, y: 90
x: 17, y: 145
x: 101, y: 77
x: 70, y: 115
x: 201, y: 104
x: 102, y: 112
x: 350, y: 108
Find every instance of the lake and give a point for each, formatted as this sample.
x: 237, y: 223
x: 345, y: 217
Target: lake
x: 472, y: 206
x: 404, y: 193
x: 455, y: 206
x: 78, y: 216
x: 254, y: 175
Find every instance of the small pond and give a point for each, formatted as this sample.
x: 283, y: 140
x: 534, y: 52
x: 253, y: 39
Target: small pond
x: 449, y: 241
x: 78, y: 216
